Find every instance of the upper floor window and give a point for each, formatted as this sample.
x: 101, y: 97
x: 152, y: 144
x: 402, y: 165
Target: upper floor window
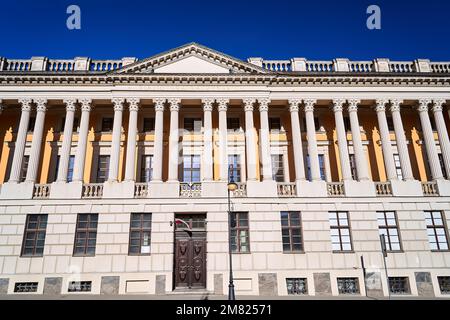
x: 442, y: 163
x: 34, y: 235
x: 140, y: 230
x: 85, y: 234
x: 388, y: 227
x: 149, y: 125
x: 191, y: 168
x: 146, y: 168
x: 275, y: 123
x: 321, y: 167
x: 69, y: 169
x: 436, y: 229
x: 233, y: 124
x: 103, y: 169
x: 340, y: 231
x: 353, y: 166
x: 278, y: 167
x: 234, y: 162
x: 291, y: 231
x: 24, y: 168
x: 107, y: 124
x: 398, y: 166
x: 240, y: 241
x: 390, y: 123
x: 31, y: 124
x: 193, y: 124
x: 347, y: 125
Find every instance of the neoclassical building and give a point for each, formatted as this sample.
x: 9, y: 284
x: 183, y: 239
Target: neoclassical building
x: 114, y: 173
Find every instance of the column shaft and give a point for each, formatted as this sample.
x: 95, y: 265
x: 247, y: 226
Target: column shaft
x: 223, y: 139
x: 67, y: 141
x: 297, y: 140
x: 116, y: 137
x: 174, y: 138
x: 265, y: 140
x: 443, y: 134
x: 35, y: 151
x: 250, y: 137
x: 158, y: 144
x: 386, y: 146
x: 312, y: 141
x: 80, y: 156
x: 207, y: 140
x: 130, y: 169
x: 342, y: 140
x: 360, y: 156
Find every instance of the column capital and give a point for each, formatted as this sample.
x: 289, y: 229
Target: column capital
x: 338, y: 105
x: 26, y: 104
x: 159, y: 104
x: 248, y: 104
x: 263, y: 104
x: 86, y: 104
x: 133, y: 104
x: 380, y: 104
x: 438, y: 105
x: 395, y: 104
x: 353, y: 105
x: 70, y: 104
x: 174, y: 104
x: 118, y: 103
x: 41, y: 104
x: 222, y: 104
x: 422, y: 105
x: 293, y: 104
x: 207, y: 104
x: 309, y: 104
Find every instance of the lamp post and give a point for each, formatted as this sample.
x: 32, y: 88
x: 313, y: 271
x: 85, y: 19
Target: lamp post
x: 231, y: 186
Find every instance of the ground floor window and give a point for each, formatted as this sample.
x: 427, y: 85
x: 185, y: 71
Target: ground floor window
x: 399, y: 285
x: 444, y: 284
x: 80, y: 286
x: 25, y: 287
x: 296, y: 286
x: 348, y: 285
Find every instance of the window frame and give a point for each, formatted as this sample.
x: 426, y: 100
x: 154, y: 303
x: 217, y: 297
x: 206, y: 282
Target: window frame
x: 348, y: 279
x: 444, y: 280
x: 408, y: 286
x: 290, y: 227
x: 191, y: 169
x: 24, y: 168
x: 339, y: 228
x: 322, y: 167
x: 232, y: 120
x: 193, y: 120
x: 237, y: 169
x: 280, y: 159
x: 141, y: 229
x: 152, y: 124
x: 434, y: 227
x: 86, y: 238
x: 277, y: 121
x: 97, y: 177
x: 398, y: 166
x: 102, y: 129
x: 144, y: 170
x: 237, y: 228
x: 387, y: 227
x: 36, y: 231
x: 297, y: 293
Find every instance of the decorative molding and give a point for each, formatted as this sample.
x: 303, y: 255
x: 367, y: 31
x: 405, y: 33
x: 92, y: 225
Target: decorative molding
x: 380, y: 104
x: 118, y: 103
x: 395, y: 105
x: 294, y: 104
x: 353, y: 105
x: 174, y: 103
x: 423, y: 105
x: 222, y: 104
x: 438, y: 105
x: 249, y: 104
x: 86, y: 104
x: 263, y: 104
x: 159, y: 104
x: 338, y: 105
x: 133, y: 104
x: 41, y: 104
x: 309, y: 105
x: 207, y: 104
x: 70, y: 104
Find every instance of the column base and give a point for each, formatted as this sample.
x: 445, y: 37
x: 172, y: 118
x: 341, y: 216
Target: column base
x: 118, y: 190
x: 443, y: 187
x: 17, y: 191
x: 262, y: 189
x: 359, y: 189
x: 311, y: 189
x: 64, y: 190
x: 214, y: 189
x: 164, y: 189
x: 410, y: 188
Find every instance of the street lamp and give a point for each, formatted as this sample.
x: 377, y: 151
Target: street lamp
x: 231, y: 186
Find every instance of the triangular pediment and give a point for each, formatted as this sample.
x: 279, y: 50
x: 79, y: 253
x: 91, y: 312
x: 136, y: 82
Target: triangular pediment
x: 192, y: 59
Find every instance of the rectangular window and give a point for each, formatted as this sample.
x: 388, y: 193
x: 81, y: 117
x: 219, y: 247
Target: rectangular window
x: 25, y: 287
x: 296, y: 286
x: 76, y: 124
x: 146, y: 168
x: 233, y: 124
x: 70, y: 168
x: 102, y: 169
x: 191, y: 168
x: 80, y: 286
x: 140, y: 230
x: 353, y: 167
x: 107, y: 124
x: 388, y: 227
x: 444, y: 284
x: 234, y: 160
x: 277, y: 167
x: 240, y: 241
x: 149, y: 125
x: 399, y: 285
x: 85, y: 234
x: 340, y: 231
x: 348, y: 285
x: 390, y: 123
x: 347, y: 125
x: 193, y: 124
x: 31, y: 124
x: 291, y: 231
x: 34, y: 235
x: 321, y: 167
x: 398, y: 166
x: 442, y: 163
x: 24, y: 169
x: 436, y: 229
x: 275, y: 124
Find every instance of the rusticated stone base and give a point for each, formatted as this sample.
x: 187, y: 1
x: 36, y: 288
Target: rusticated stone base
x: 373, y: 284
x: 110, y: 285
x: 424, y: 284
x: 52, y: 286
x: 218, y: 284
x: 268, y: 284
x: 160, y: 284
x: 4, y: 283
x: 322, y: 284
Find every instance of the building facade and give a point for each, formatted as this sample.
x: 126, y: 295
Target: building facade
x: 113, y: 175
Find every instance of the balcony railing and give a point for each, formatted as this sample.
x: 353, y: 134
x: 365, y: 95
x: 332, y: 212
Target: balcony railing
x: 41, y: 191
x: 92, y: 191
x: 241, y: 190
x: 190, y: 190
x: 287, y: 190
x: 383, y: 189
x: 335, y: 189
x: 141, y: 190
x: 430, y: 189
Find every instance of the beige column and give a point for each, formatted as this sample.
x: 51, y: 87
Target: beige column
x: 36, y: 144
x: 342, y: 139
x: 297, y: 140
x: 223, y: 138
x: 265, y: 140
x: 80, y: 156
x: 442, y: 133
x: 115, y: 144
x: 428, y: 136
x: 67, y: 141
x: 158, y: 144
x: 312, y: 140
x: 400, y: 138
x: 130, y: 169
x: 386, y: 146
x: 174, y: 137
x: 250, y: 139
x: 360, y: 156
x: 19, y: 147
x: 207, y: 140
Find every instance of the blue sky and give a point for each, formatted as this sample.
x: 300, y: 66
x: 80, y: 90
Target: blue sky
x: 320, y: 29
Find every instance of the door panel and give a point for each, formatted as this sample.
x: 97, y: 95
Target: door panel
x: 190, y: 263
